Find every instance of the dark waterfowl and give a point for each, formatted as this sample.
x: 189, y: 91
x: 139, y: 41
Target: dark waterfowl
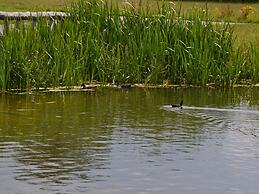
x: 178, y: 105
x: 84, y: 86
x: 125, y: 85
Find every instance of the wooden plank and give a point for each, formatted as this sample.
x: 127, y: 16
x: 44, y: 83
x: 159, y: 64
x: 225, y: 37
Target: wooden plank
x: 31, y: 15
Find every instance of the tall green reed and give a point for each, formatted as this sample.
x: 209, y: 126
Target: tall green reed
x: 104, y: 42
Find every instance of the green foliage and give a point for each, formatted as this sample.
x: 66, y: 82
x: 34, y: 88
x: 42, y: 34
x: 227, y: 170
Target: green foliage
x: 103, y: 42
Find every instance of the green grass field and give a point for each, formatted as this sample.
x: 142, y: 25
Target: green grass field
x: 236, y: 12
x: 33, y: 5
x: 218, y: 11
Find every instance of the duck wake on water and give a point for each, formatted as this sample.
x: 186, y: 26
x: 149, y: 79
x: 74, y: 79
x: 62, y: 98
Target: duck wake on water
x: 173, y: 107
x: 177, y: 105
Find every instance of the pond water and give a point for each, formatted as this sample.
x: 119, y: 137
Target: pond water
x: 115, y: 141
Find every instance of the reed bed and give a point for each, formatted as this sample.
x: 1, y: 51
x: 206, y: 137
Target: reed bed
x: 107, y: 43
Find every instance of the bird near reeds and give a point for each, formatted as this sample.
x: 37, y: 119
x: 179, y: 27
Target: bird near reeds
x: 178, y: 105
x: 84, y: 86
x: 125, y: 85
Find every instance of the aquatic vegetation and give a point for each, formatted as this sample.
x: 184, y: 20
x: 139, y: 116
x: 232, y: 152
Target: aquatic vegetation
x: 103, y: 42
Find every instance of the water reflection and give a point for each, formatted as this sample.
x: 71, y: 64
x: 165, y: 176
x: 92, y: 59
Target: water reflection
x: 117, y: 141
x: 51, y: 140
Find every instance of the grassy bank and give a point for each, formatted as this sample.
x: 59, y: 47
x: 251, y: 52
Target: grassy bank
x: 33, y: 5
x: 107, y: 43
x: 217, y: 11
x: 246, y: 12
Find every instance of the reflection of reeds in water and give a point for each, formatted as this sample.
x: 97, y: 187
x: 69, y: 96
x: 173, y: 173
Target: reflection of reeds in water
x: 107, y: 43
x: 62, y: 146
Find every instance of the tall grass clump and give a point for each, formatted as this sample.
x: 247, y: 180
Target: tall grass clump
x: 104, y: 42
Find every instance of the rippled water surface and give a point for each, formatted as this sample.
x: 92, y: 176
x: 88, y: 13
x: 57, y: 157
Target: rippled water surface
x: 130, y: 142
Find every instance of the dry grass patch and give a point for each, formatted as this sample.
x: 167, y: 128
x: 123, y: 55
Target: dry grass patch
x: 225, y: 11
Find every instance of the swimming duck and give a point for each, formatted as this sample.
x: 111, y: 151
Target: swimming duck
x: 178, y: 105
